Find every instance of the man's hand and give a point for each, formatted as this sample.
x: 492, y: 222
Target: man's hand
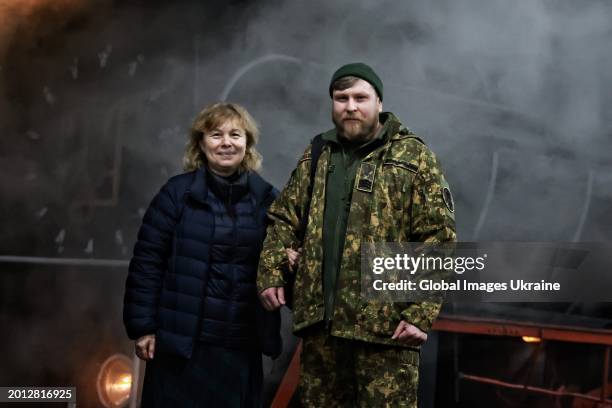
x: 409, y: 334
x: 145, y: 347
x: 272, y: 298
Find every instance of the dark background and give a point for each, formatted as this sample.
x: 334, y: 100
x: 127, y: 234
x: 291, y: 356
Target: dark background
x: 96, y: 99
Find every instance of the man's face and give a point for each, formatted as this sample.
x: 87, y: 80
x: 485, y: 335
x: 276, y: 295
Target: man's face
x: 355, y: 111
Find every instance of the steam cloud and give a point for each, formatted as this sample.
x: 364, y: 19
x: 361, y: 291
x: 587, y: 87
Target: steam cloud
x: 96, y: 99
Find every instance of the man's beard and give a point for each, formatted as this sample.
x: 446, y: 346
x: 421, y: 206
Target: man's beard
x: 356, y: 131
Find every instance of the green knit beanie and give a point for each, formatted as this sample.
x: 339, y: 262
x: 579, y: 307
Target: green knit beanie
x: 359, y: 70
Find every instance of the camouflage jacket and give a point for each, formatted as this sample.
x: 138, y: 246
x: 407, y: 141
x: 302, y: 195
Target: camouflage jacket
x: 405, y: 204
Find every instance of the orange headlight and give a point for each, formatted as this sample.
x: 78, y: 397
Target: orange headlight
x: 115, y: 381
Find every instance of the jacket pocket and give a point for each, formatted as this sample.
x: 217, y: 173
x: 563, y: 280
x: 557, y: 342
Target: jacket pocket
x: 398, y: 177
x: 392, y: 201
x: 411, y: 167
x: 379, y: 319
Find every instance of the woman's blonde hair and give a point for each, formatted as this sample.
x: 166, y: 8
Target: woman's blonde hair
x: 212, y: 117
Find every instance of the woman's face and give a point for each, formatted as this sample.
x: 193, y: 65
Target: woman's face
x: 224, y: 147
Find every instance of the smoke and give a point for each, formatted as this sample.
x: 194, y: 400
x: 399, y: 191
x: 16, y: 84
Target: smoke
x: 96, y: 98
x: 14, y: 15
x: 25, y: 28
x: 528, y: 82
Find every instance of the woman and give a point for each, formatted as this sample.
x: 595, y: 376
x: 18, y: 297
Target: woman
x: 191, y: 301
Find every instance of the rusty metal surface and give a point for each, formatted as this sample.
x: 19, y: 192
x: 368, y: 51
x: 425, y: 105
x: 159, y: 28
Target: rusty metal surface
x: 539, y: 390
x: 494, y: 327
x: 289, y: 383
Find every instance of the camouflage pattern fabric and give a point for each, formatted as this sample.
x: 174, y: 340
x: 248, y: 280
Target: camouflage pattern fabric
x: 407, y: 202
x: 336, y: 372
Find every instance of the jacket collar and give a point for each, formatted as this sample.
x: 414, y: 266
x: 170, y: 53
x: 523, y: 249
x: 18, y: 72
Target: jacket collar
x: 199, y: 187
x: 260, y: 188
x: 396, y: 129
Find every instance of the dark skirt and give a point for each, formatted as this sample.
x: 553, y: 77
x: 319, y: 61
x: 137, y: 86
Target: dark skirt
x: 215, y: 376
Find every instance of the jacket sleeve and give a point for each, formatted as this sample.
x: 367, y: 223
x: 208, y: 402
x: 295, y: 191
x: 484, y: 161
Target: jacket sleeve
x: 285, y: 215
x: 149, y: 263
x: 433, y: 222
x: 269, y: 323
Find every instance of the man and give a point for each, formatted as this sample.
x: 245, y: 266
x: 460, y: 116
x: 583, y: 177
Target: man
x: 375, y: 181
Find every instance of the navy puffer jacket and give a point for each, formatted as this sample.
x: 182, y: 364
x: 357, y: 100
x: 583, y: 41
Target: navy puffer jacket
x: 180, y: 264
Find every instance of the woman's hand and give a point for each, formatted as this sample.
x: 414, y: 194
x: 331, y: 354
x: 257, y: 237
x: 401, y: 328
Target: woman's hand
x: 294, y: 257
x: 145, y: 347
